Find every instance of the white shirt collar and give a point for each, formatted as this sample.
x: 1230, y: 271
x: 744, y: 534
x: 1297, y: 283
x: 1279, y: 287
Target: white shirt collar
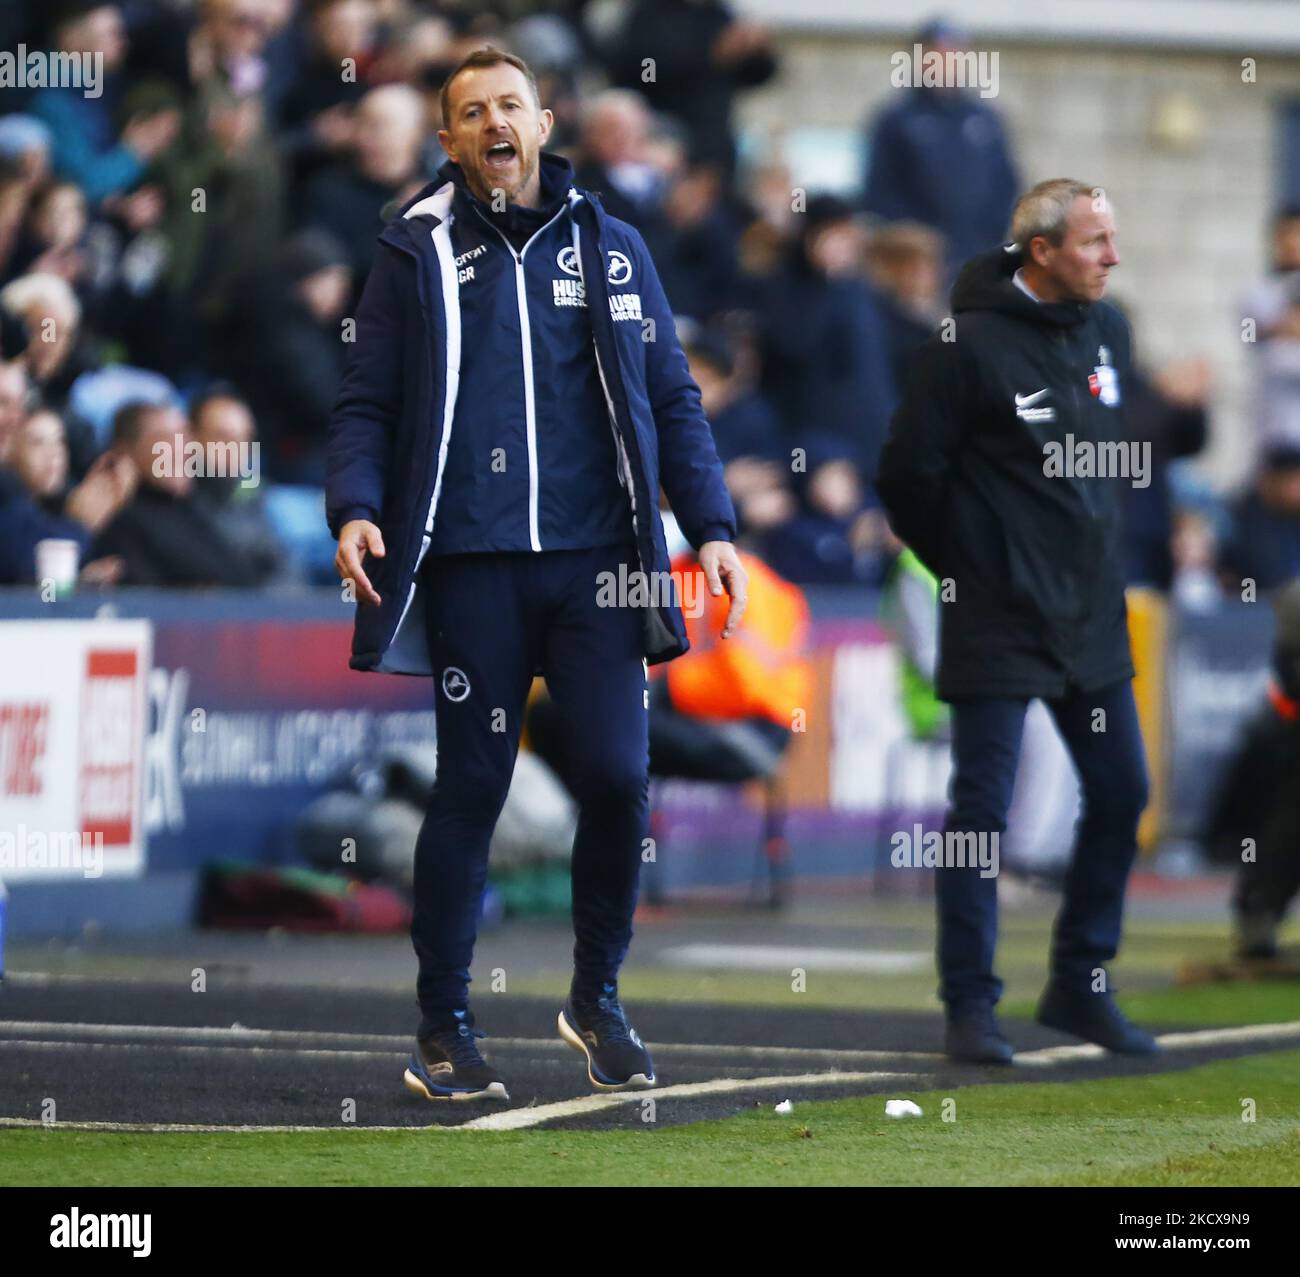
x: 1018, y: 279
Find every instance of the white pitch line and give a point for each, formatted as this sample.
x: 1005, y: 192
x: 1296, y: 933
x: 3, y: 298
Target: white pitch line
x: 244, y: 1038
x: 247, y: 1037
x: 522, y: 1118
x: 511, y: 1119
x: 1188, y: 1041
x: 39, y: 978
x: 212, y: 1048
x: 763, y: 957
x: 1240, y: 1033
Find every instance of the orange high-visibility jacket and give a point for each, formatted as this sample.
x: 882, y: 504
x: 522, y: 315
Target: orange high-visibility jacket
x: 761, y: 670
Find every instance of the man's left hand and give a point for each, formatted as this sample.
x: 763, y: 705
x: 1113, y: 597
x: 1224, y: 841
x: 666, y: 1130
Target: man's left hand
x: 722, y: 569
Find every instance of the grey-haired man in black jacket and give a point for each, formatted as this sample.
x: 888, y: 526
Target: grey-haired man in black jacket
x: 1003, y: 472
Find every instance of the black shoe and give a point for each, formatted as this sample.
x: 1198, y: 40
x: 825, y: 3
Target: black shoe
x: 973, y: 1036
x: 1256, y: 934
x: 447, y: 1066
x: 616, y: 1057
x: 1094, y: 1017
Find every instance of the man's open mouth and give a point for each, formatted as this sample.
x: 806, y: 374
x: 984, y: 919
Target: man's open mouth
x: 500, y: 154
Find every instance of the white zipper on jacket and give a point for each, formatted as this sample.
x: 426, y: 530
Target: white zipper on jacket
x: 526, y: 342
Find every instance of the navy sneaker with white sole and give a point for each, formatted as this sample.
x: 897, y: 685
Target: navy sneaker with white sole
x: 617, y: 1059
x: 447, y: 1065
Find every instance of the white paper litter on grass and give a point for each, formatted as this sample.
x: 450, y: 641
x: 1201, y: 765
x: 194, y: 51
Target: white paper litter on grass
x: 902, y: 1108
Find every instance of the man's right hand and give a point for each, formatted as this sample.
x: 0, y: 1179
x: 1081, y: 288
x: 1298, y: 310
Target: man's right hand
x: 356, y: 537
x: 109, y: 484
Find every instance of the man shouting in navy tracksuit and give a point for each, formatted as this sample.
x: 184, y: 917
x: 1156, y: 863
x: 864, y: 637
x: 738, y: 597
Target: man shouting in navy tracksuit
x: 515, y: 397
x: 1027, y: 546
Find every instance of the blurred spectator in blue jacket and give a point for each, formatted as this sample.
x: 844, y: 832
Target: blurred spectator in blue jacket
x: 85, y: 141
x: 824, y: 346
x: 939, y: 156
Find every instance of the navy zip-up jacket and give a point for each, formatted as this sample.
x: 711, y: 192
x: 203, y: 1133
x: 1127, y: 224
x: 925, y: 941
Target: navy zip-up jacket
x: 399, y: 403
x: 520, y: 475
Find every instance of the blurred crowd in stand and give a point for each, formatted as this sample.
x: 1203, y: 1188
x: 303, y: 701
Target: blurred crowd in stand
x: 180, y: 254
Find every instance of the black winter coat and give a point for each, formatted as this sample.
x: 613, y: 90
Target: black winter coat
x: 1031, y: 556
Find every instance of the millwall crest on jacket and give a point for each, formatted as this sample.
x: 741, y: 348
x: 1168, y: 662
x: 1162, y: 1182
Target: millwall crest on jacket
x: 569, y: 290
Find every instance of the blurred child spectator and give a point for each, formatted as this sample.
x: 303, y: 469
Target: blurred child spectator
x: 744, y: 425
x: 52, y: 234
x: 33, y: 478
x: 754, y: 453
x: 835, y: 537
x: 905, y: 262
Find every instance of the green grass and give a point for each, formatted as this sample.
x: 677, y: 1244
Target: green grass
x: 1153, y: 953
x: 1205, y: 1005
x: 1177, y: 1128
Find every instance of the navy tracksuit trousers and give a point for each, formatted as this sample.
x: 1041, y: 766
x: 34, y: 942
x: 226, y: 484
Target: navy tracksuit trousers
x: 1113, y: 776
x: 493, y: 622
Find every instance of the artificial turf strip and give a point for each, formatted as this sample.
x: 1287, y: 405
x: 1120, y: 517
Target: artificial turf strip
x: 1177, y: 1128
